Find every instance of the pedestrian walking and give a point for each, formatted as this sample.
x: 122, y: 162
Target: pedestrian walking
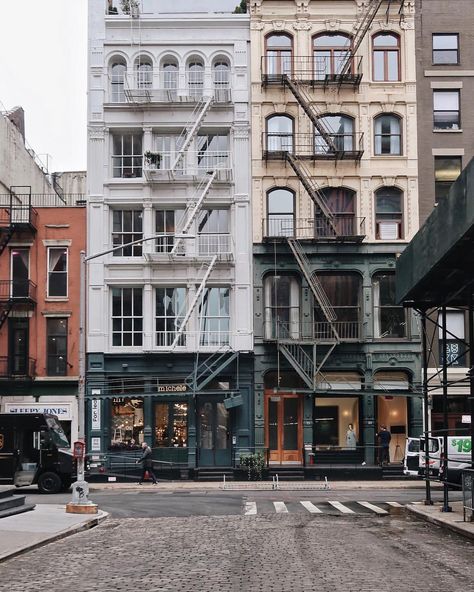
x: 147, y: 463
x: 384, y: 437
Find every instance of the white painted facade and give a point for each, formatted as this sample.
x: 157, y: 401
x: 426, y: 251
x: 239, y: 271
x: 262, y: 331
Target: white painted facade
x: 156, y: 117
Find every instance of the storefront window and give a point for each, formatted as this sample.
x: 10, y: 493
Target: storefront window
x: 171, y: 424
x: 127, y: 423
x: 332, y: 418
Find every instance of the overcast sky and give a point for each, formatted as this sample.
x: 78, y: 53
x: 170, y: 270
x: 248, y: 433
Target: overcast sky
x: 43, y: 58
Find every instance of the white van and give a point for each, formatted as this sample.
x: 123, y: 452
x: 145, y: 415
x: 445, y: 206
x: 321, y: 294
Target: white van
x: 459, y: 456
x: 411, y: 464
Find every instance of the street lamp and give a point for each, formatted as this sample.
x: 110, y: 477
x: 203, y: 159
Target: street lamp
x: 80, y: 503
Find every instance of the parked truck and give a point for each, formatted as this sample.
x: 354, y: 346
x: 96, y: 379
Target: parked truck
x: 35, y: 450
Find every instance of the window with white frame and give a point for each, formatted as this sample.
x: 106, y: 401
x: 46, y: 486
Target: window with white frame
x: 446, y: 111
x: 195, y: 77
x: 127, y: 317
x: 127, y: 226
x: 221, y: 80
x: 214, y: 316
x: 144, y: 73
x: 118, y: 72
x: 165, y: 223
x: 57, y: 272
x: 169, y: 77
x: 127, y: 157
x: 212, y: 151
x: 169, y: 313
x: 213, y: 232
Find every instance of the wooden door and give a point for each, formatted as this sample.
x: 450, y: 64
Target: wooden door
x: 284, y: 427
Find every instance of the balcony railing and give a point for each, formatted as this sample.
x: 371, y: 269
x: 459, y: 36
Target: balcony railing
x: 17, y: 291
x: 207, y: 246
x: 315, y: 70
x: 348, y: 146
x: 312, y: 331
x: 192, y: 340
x: 38, y: 200
x: 214, y: 244
x: 17, y: 367
x: 342, y: 226
x: 193, y: 164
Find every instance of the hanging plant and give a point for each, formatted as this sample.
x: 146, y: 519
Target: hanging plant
x: 254, y: 463
x: 130, y: 6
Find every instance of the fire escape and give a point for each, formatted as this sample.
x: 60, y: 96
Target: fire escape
x: 308, y: 350
x: 17, y: 219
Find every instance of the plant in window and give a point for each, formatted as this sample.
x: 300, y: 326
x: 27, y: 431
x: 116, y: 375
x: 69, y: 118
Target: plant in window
x: 130, y: 6
x: 152, y: 158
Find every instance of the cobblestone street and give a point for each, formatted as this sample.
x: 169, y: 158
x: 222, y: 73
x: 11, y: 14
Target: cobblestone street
x: 281, y: 553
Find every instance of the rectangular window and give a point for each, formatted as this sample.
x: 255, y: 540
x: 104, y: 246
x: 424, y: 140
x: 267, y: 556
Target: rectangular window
x: 445, y: 48
x: 127, y: 423
x: 389, y: 317
x: 212, y: 152
x: 165, y: 223
x: 20, y: 273
x: 56, y: 347
x: 169, y: 313
x: 388, y: 214
x: 214, y: 317
x: 446, y: 113
x: 171, y: 425
x: 455, y: 344
x: 127, y: 317
x: 447, y: 170
x: 127, y: 156
x: 213, y: 230
x: 127, y: 226
x: 57, y: 271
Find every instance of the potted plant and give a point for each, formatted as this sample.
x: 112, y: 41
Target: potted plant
x: 130, y: 6
x: 152, y: 159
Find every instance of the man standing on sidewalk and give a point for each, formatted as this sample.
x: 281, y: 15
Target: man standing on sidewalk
x: 384, y: 437
x: 147, y: 463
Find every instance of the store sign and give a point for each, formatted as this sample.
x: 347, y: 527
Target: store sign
x: 172, y: 388
x: 95, y: 443
x: 95, y: 413
x: 61, y: 411
x: 466, y: 419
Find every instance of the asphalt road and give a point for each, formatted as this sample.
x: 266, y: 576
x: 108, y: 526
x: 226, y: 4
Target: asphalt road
x: 149, y: 501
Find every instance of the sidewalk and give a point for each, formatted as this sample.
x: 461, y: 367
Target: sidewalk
x: 450, y: 520
x: 217, y: 485
x: 44, y: 524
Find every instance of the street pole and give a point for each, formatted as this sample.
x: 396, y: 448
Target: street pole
x: 428, y: 500
x: 471, y: 372
x: 446, y: 507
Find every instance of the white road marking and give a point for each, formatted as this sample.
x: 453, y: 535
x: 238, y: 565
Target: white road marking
x: 280, y: 508
x: 250, y: 508
x: 372, y: 507
x: 311, y: 507
x: 341, y: 507
x: 394, y: 504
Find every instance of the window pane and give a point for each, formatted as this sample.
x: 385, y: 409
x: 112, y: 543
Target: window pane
x: 385, y: 40
x: 446, y: 100
x: 278, y: 41
x: 336, y: 40
x: 447, y: 168
x: 388, y: 203
x: 392, y: 62
x: 445, y: 41
x: 379, y: 65
x: 280, y: 201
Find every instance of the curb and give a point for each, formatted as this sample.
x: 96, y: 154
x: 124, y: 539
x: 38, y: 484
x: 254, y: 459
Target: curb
x: 56, y: 537
x: 440, y: 522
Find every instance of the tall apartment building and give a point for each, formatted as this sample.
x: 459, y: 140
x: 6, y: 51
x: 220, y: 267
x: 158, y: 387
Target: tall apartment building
x: 42, y: 231
x: 445, y: 86
x: 169, y: 321
x: 335, y: 200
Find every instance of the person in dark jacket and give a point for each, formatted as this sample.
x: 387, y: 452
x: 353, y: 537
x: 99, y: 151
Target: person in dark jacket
x: 384, y: 437
x: 147, y: 463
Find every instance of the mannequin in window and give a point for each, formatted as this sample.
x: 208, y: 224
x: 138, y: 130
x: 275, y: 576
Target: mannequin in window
x: 351, y: 440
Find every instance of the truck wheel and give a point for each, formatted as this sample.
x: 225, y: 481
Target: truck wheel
x: 49, y: 482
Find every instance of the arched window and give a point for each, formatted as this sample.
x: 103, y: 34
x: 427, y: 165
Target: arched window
x: 195, y: 76
x: 389, y: 213
x: 169, y: 76
x: 390, y: 318
x: 344, y: 292
x: 278, y: 54
x: 118, y: 71
x: 331, y: 50
x: 341, y: 202
x: 282, y: 306
x: 221, y: 80
x: 386, y: 57
x: 279, y: 133
x: 280, y: 212
x: 388, y: 137
x: 341, y: 130
x: 144, y: 72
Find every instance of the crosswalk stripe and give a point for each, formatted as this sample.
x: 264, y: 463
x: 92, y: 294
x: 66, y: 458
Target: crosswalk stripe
x: 311, y: 507
x: 372, y: 507
x: 250, y: 508
x: 341, y: 507
x: 280, y: 508
x: 394, y: 504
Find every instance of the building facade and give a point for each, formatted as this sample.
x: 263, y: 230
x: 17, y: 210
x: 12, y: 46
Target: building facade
x: 169, y: 320
x: 335, y: 200
x: 42, y: 234
x: 445, y: 84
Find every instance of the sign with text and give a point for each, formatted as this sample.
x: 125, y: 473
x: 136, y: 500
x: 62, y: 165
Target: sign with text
x: 95, y: 414
x: 61, y: 411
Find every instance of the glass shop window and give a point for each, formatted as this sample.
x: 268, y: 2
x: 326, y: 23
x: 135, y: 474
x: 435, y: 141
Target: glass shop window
x: 127, y: 423
x: 171, y: 425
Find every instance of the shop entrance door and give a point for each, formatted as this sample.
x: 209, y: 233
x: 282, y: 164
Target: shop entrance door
x: 284, y: 428
x: 214, y: 434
